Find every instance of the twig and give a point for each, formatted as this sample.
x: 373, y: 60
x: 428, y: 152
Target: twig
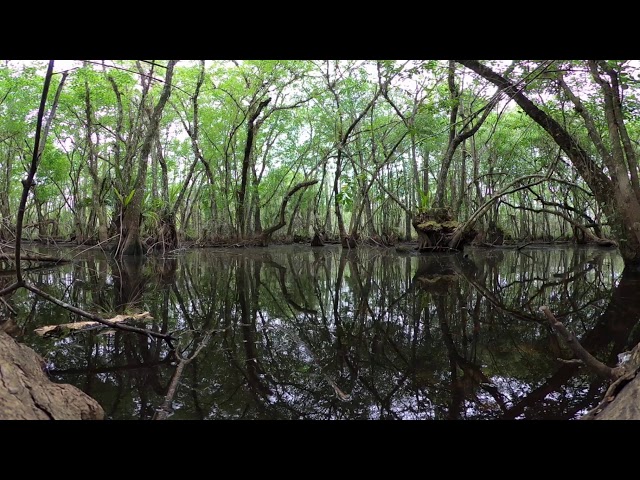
x: 99, y: 244
x: 9, y: 307
x: 163, y: 412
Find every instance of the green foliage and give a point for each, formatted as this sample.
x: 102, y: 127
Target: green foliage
x: 424, y: 200
x: 128, y: 198
x: 313, y: 103
x: 124, y: 201
x: 152, y: 203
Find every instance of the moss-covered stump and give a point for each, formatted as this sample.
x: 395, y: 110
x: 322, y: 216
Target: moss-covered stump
x: 26, y: 393
x: 436, y: 228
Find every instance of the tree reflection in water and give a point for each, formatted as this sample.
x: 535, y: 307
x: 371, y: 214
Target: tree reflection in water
x: 291, y: 332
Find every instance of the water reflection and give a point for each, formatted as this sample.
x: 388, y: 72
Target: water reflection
x: 294, y: 332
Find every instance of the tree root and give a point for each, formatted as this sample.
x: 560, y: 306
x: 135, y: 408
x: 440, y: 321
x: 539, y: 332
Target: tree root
x: 621, y: 375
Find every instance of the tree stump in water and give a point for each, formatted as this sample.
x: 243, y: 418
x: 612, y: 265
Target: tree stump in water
x: 436, y: 228
x: 436, y: 275
x: 317, y: 240
x: 165, y: 238
x: 26, y: 393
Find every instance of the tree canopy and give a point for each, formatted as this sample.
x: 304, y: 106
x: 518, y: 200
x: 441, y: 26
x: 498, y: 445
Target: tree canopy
x: 149, y: 154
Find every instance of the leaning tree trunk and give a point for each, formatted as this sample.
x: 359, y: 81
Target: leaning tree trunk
x: 456, y: 138
x: 613, y: 191
x: 266, y: 234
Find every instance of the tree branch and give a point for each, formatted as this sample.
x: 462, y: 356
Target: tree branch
x: 266, y: 234
x: 579, y: 351
x: 95, y: 318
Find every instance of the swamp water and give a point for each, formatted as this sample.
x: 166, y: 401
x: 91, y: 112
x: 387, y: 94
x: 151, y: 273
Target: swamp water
x: 295, y: 332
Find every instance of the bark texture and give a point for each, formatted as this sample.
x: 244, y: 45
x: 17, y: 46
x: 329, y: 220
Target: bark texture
x: 622, y: 399
x: 625, y: 406
x: 26, y: 393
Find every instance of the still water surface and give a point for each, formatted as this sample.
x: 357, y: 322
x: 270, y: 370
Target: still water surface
x: 294, y: 332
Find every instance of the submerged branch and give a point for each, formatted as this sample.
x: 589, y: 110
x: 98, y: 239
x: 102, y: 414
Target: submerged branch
x: 578, y: 350
x: 35, y: 258
x: 163, y: 412
x: 96, y: 318
x: 66, y: 328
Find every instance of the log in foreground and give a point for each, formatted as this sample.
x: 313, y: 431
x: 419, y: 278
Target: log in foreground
x: 26, y: 393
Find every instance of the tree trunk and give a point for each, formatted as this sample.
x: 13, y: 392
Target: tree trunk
x: 92, y: 162
x: 252, y: 130
x: 42, y: 233
x: 296, y: 209
x: 130, y: 243
x: 5, y: 211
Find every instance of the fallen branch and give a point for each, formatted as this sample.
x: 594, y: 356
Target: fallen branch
x: 34, y: 258
x: 579, y: 351
x: 66, y: 328
x: 91, y: 316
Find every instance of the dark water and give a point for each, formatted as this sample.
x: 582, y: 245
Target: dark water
x: 294, y: 332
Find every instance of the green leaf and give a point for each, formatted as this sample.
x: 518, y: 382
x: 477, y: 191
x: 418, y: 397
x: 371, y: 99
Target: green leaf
x: 129, y: 198
x: 424, y: 199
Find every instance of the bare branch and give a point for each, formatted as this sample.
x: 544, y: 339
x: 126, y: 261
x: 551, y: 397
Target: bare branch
x: 578, y: 350
x: 281, y: 221
x: 95, y: 318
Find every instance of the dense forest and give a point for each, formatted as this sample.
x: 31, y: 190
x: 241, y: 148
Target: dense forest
x: 147, y: 156
x: 143, y: 159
